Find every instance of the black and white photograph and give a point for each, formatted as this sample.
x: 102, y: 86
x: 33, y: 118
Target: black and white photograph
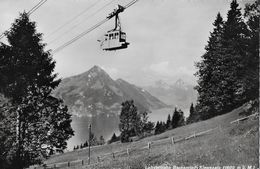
x: 129, y: 84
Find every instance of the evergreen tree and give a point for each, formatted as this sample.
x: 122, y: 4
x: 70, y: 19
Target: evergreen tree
x: 7, y: 131
x: 163, y: 126
x: 181, y: 121
x: 149, y: 126
x: 85, y: 144
x: 194, y: 116
x: 191, y: 109
x: 42, y: 121
x: 178, y: 118
x: 228, y: 71
x: 232, y: 87
x: 93, y: 139
x: 157, y: 130
x: 129, y: 120
x: 114, y: 138
x: 251, y: 61
x: 101, y: 140
x: 208, y: 72
x: 168, y: 122
x: 174, y: 118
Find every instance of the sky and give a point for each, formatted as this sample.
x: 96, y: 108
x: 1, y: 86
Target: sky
x: 167, y: 37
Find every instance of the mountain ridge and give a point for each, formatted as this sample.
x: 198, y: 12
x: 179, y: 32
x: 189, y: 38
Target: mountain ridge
x: 95, y: 86
x: 93, y: 97
x: 178, y: 94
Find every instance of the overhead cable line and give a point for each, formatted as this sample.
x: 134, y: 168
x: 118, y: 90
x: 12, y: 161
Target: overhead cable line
x: 79, y: 36
x: 36, y: 7
x: 32, y: 10
x: 88, y: 17
x: 131, y: 3
x: 75, y: 17
x: 89, y: 30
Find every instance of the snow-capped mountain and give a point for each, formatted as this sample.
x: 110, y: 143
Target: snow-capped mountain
x: 180, y: 93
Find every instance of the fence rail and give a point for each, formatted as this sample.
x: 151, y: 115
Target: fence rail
x: 127, y: 151
x: 244, y: 118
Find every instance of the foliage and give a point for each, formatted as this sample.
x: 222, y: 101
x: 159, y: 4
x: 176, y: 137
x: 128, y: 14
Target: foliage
x: 93, y: 142
x: 132, y: 122
x: 148, y: 127
x: 101, y: 140
x: 168, y: 122
x: 177, y: 118
x: 39, y: 123
x: 251, y: 72
x: 93, y: 139
x: 193, y: 117
x: 228, y: 72
x: 160, y: 127
x: 208, y: 76
x: 114, y: 138
x: 7, y: 131
x: 128, y: 120
x: 145, y: 125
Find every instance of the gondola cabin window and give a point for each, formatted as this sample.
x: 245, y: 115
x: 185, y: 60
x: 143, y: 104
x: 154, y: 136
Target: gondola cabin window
x: 114, y: 40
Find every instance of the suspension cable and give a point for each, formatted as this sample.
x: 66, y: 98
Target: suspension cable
x: 88, y: 17
x: 89, y: 30
x: 32, y: 10
x: 79, y: 36
x: 36, y: 7
x: 75, y: 17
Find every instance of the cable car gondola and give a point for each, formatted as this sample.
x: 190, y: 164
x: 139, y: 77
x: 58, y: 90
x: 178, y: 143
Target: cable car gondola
x: 114, y: 39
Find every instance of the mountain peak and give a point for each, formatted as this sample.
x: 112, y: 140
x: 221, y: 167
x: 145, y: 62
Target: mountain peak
x: 120, y: 80
x: 162, y: 84
x: 96, y: 69
x: 179, y: 83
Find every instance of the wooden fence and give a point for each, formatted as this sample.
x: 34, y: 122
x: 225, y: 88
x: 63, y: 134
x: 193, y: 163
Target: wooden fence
x: 244, y: 118
x: 100, y: 159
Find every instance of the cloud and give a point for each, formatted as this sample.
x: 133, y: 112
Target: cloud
x: 184, y: 70
x: 165, y: 68
x: 169, y: 72
x: 160, y: 68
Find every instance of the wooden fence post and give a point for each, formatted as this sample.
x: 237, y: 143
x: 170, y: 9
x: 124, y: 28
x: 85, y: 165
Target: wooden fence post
x: 127, y: 151
x: 82, y: 162
x: 149, y: 145
x: 172, y: 139
x: 98, y: 158
x: 54, y: 166
x: 113, y: 155
x: 68, y: 164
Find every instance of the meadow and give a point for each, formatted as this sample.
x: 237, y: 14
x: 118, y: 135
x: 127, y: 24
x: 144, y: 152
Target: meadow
x: 226, y: 144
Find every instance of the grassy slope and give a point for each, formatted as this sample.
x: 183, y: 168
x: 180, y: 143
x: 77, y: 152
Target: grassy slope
x: 235, y: 144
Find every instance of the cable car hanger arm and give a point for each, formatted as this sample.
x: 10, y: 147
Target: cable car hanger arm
x: 116, y: 12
